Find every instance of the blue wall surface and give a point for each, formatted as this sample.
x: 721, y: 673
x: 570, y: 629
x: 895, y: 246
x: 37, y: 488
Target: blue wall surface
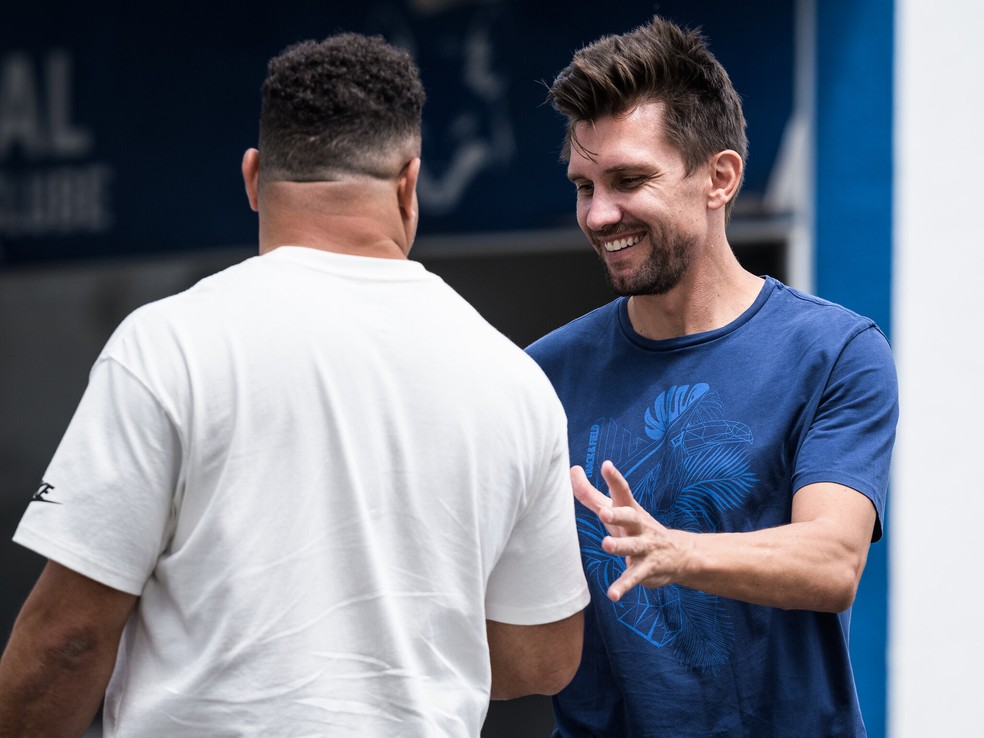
x: 854, y: 248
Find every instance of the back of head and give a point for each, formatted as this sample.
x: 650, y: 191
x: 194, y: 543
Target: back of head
x: 346, y: 106
x: 656, y: 62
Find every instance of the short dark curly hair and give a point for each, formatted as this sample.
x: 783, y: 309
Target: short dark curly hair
x: 349, y: 105
x: 656, y: 62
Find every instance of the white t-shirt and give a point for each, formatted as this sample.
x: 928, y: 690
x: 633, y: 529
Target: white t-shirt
x: 322, y: 473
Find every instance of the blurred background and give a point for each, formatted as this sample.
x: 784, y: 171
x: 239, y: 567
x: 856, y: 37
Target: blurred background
x: 122, y: 131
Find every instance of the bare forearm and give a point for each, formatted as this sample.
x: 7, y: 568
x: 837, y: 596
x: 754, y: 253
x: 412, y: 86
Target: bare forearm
x: 50, y: 691
x: 797, y: 566
x: 61, y: 655
x: 812, y: 563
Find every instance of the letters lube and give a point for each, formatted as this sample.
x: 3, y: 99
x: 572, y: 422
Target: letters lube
x: 47, y: 186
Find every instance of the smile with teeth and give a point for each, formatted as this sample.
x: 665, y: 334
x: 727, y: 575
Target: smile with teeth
x: 621, y: 243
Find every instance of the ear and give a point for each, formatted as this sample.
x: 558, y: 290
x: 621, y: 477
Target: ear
x: 251, y: 177
x: 406, y: 196
x: 726, y: 168
x: 406, y: 188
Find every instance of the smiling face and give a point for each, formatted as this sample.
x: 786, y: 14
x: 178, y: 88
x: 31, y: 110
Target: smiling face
x: 642, y: 212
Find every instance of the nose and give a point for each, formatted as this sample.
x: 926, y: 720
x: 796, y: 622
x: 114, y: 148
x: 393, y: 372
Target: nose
x: 600, y: 211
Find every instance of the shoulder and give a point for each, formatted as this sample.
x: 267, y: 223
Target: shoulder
x: 811, y: 325
x: 169, y: 326
x: 828, y: 338
x: 801, y: 309
x: 217, y: 288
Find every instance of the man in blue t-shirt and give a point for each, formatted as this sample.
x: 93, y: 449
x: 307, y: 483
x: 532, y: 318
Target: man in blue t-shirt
x: 751, y: 425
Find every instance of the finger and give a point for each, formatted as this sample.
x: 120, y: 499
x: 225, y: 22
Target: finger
x: 617, y: 486
x: 585, y: 492
x: 625, y: 546
x: 625, y: 518
x: 629, y: 579
x: 592, y: 499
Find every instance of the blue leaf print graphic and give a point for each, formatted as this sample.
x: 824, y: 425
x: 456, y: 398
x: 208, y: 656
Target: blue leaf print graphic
x: 695, y: 466
x: 670, y: 406
x: 721, y: 479
x: 654, y: 614
x: 706, y: 633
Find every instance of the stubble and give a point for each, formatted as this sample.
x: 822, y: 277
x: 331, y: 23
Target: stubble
x: 670, y: 255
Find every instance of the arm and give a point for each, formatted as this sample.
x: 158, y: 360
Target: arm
x: 534, y: 659
x: 61, y: 654
x: 813, y: 563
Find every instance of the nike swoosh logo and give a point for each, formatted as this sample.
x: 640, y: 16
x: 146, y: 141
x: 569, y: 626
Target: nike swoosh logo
x: 44, y: 489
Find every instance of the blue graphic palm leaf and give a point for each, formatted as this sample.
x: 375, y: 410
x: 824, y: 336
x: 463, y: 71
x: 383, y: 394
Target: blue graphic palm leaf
x: 706, y: 634
x: 717, y: 479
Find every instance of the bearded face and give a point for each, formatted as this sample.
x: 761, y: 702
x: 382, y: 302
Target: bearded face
x: 670, y: 251
x: 642, y: 210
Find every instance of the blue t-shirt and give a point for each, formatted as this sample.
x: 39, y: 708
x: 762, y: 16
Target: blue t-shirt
x: 715, y: 432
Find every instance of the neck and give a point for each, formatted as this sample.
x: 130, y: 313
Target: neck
x: 359, y: 217
x: 712, y: 293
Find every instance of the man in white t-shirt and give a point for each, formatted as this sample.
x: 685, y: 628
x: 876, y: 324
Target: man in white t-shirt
x: 315, y: 494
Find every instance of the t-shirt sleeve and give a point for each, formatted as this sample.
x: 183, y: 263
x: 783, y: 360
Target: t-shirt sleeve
x: 109, y: 489
x: 852, y: 435
x: 538, y: 578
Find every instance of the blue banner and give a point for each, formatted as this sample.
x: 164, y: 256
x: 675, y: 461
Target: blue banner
x: 122, y: 131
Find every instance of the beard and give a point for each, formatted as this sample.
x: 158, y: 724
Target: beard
x: 670, y: 254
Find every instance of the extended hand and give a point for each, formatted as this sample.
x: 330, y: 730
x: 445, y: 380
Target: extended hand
x: 652, y: 552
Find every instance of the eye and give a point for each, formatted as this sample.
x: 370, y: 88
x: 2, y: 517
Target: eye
x: 583, y: 188
x: 631, y: 182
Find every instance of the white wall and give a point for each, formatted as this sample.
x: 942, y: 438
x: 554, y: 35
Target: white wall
x: 937, y: 501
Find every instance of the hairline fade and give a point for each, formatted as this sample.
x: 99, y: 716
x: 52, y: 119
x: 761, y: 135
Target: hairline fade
x: 347, y: 106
